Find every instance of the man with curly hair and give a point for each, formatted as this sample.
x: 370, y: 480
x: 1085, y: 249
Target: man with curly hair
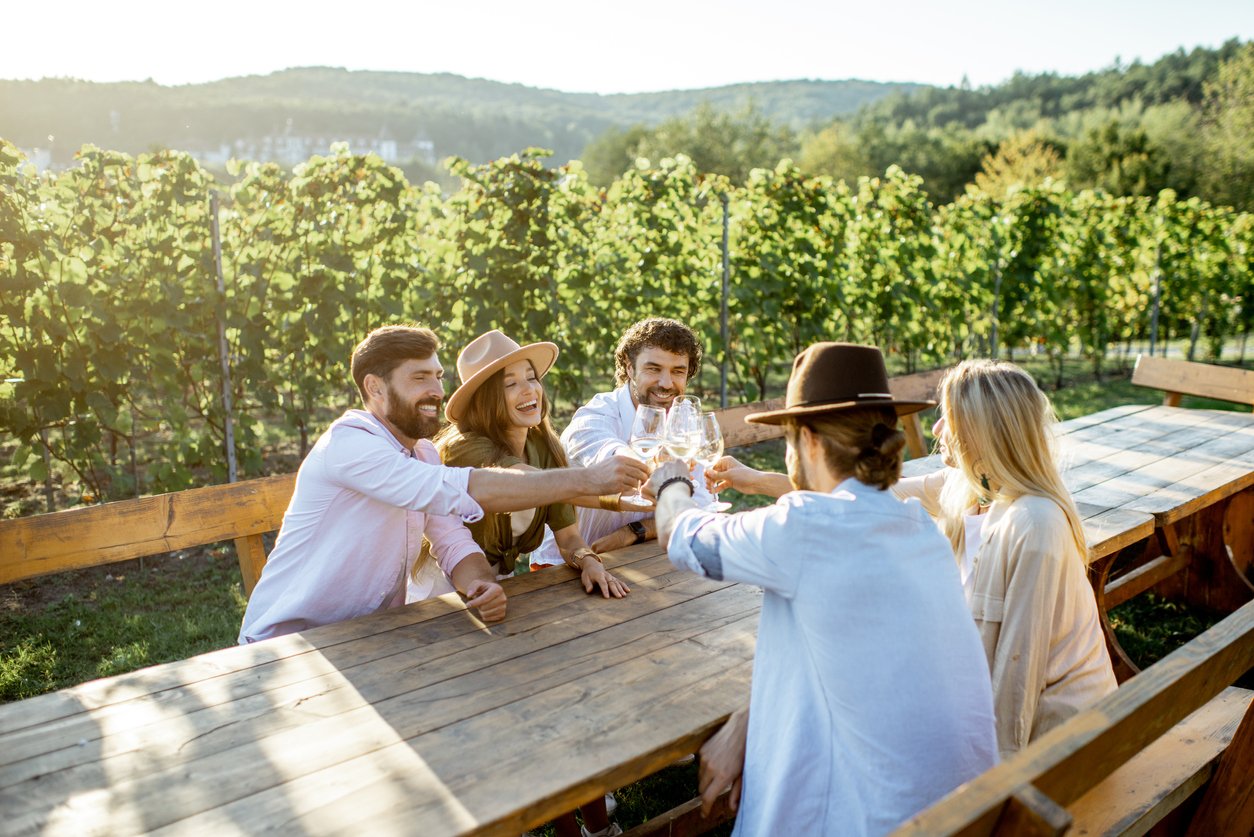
x: 654, y: 361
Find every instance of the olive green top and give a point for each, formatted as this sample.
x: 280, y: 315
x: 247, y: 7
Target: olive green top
x: 493, y: 533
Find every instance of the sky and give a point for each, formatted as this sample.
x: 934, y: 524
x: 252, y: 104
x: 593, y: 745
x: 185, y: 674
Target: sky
x: 607, y: 47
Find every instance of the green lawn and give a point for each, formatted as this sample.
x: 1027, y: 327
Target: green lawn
x: 67, y: 629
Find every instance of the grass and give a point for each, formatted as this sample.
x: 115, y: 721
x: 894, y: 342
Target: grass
x: 73, y: 627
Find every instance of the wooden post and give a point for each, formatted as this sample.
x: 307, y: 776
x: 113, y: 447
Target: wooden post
x: 43, y: 440
x: 223, y: 352
x: 722, y: 319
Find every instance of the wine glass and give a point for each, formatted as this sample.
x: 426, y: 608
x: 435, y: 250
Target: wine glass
x: 683, y: 430
x: 648, y: 432
x: 710, y: 451
x: 690, y: 400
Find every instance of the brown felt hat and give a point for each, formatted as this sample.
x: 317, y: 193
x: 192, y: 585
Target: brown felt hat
x: 488, y: 354
x: 828, y: 377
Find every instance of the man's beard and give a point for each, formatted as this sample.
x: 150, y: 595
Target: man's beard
x: 655, y: 397
x: 409, y: 420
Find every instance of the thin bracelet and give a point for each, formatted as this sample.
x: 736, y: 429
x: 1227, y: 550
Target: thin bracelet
x: 691, y: 488
x: 583, y: 556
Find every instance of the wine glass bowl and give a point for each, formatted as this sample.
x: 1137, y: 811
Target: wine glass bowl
x: 683, y: 431
x: 710, y: 451
x: 648, y: 433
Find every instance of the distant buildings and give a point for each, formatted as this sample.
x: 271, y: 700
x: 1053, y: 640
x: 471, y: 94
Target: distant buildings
x: 286, y: 149
x: 290, y: 149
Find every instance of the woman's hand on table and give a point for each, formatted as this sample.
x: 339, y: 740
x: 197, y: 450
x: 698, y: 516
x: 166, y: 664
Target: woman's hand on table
x: 594, y: 575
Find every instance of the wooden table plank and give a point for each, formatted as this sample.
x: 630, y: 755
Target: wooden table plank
x: 305, y: 679
x: 325, y: 743
x: 663, y: 625
x: 1141, y: 479
x: 570, y: 744
x: 231, y: 662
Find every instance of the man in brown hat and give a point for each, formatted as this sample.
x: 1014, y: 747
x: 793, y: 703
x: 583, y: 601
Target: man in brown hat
x: 871, y: 696
x: 373, y: 485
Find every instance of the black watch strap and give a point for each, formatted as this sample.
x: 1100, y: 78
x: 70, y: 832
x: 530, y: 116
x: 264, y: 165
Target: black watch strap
x: 638, y: 529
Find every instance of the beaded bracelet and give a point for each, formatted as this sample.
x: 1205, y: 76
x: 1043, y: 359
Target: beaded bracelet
x: 691, y: 488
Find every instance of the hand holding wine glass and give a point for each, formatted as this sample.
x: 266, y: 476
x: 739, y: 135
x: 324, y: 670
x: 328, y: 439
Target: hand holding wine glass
x: 647, y: 435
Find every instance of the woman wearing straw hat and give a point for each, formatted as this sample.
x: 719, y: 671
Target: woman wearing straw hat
x: 500, y: 417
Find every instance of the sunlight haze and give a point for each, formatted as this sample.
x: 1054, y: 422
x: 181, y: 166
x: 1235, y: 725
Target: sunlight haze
x: 611, y: 48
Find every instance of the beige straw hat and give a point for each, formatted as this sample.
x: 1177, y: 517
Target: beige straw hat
x: 488, y: 354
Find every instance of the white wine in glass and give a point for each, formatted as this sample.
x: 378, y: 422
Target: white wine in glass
x: 683, y: 431
x: 711, y: 451
x: 648, y: 432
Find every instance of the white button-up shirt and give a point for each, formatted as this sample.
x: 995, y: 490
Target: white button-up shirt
x: 355, y: 526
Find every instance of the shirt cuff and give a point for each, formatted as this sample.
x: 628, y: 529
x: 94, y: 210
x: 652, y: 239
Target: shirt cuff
x: 683, y: 536
x: 465, y: 506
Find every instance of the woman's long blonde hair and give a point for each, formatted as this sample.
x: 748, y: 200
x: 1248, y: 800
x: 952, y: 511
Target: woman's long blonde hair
x: 995, y: 411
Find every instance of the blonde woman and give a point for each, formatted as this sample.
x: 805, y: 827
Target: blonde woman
x: 1019, y: 544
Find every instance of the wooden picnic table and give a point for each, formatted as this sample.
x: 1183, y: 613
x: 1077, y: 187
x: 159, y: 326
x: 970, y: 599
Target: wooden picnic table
x: 416, y: 720
x: 422, y: 720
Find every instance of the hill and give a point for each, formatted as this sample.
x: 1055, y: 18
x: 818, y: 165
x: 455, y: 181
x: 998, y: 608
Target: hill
x: 410, y: 115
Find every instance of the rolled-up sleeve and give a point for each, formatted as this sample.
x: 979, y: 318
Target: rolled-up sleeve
x: 451, y: 541
x: 738, y: 547
x: 365, y: 463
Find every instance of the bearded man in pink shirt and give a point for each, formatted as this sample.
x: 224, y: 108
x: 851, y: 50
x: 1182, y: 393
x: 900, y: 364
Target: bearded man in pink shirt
x: 372, y: 486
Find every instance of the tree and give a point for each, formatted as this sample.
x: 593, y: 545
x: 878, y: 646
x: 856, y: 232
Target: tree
x: 1023, y: 161
x: 717, y: 142
x: 1228, y: 177
x: 612, y: 153
x: 1118, y: 160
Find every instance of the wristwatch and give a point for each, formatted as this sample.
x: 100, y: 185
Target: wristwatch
x: 639, y: 531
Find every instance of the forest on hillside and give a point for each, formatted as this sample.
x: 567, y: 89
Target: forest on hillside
x: 471, y: 118
x: 1183, y: 122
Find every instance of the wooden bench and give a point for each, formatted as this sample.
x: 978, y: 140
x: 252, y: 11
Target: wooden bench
x: 1171, y: 746
x: 921, y: 386
x: 1181, y: 377
x: 242, y: 512
x: 1171, y: 749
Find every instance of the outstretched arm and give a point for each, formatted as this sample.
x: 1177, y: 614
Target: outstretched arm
x: 503, y: 489
x: 730, y: 472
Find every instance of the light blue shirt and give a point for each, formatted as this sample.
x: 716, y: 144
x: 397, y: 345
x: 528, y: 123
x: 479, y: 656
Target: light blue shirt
x: 871, y: 696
